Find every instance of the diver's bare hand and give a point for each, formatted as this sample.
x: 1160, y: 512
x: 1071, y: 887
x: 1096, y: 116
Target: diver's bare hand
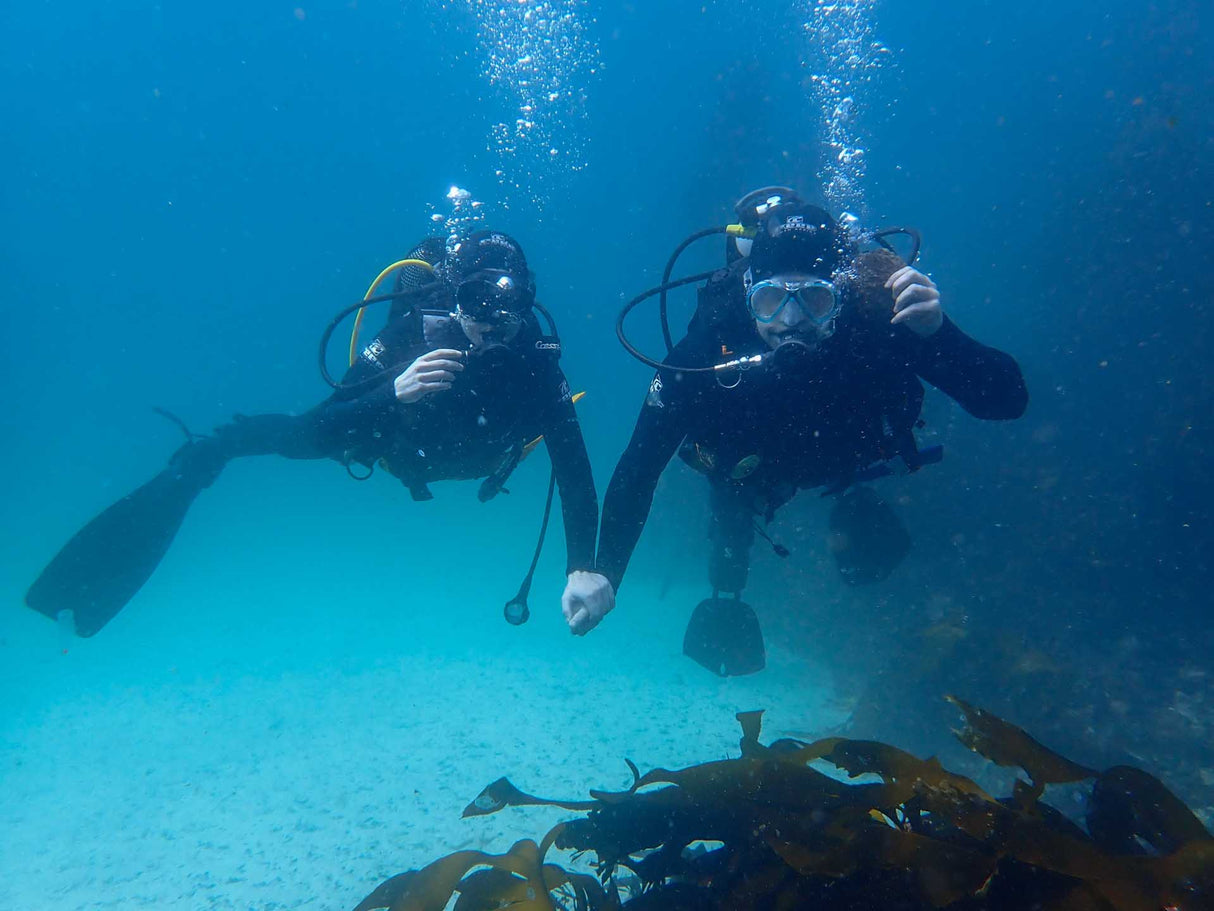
x: 916, y: 301
x: 433, y: 372
x: 588, y: 598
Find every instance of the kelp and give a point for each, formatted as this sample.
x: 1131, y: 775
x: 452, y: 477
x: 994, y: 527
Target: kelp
x: 770, y: 829
x: 518, y: 878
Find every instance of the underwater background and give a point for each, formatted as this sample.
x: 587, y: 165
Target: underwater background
x: 318, y: 676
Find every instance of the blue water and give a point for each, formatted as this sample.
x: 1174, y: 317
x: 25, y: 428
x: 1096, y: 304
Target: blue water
x: 191, y: 191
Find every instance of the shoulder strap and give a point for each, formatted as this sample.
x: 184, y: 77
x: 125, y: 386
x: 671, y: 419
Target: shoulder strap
x: 720, y: 304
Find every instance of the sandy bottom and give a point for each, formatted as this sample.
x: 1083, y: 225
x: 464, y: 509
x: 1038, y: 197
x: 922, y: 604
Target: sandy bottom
x: 159, y: 776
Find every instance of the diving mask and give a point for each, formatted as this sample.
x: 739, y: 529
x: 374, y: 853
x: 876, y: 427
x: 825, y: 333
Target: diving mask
x: 817, y: 298
x: 492, y: 296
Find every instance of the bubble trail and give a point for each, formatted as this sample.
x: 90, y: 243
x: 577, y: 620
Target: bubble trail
x: 847, y: 58
x: 540, y: 55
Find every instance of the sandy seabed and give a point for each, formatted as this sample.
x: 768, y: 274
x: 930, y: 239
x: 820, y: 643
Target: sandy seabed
x: 225, y: 786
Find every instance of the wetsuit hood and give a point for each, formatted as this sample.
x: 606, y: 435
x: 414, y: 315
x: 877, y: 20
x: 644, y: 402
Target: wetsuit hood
x: 485, y: 252
x: 798, y: 239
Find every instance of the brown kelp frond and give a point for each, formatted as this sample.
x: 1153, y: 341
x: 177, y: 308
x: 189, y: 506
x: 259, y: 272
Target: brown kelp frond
x: 1007, y: 745
x: 767, y: 830
x: 501, y: 794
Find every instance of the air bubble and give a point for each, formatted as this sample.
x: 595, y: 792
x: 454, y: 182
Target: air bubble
x: 845, y: 56
x: 531, y: 51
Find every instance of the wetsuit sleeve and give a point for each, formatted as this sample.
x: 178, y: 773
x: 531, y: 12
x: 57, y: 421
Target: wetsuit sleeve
x: 984, y: 381
x: 659, y: 430
x: 579, y: 502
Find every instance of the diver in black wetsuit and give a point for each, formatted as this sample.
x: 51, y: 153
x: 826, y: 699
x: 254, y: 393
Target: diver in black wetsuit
x: 456, y: 386
x: 819, y: 351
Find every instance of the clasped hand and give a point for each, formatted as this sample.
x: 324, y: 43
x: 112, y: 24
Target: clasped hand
x: 433, y: 372
x: 588, y: 598
x: 916, y: 301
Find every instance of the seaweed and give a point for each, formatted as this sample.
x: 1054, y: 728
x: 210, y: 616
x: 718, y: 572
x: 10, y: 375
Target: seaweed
x: 770, y: 829
x: 1007, y: 745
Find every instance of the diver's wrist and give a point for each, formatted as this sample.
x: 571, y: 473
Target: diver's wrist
x: 942, y: 336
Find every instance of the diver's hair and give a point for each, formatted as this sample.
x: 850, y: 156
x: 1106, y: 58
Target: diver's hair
x: 867, y: 282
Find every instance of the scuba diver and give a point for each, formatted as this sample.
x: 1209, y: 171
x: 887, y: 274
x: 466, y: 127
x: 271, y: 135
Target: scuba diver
x: 800, y: 369
x: 460, y: 384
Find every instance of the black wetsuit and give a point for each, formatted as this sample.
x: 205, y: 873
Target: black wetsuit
x: 797, y: 421
x: 503, y: 399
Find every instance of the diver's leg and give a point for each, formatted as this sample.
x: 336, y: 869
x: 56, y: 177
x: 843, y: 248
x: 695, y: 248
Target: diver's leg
x: 723, y: 634
x: 288, y: 435
x: 731, y: 533
x: 867, y: 537
x: 107, y: 561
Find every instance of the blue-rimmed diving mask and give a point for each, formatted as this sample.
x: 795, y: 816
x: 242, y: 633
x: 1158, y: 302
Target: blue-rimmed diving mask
x: 817, y: 299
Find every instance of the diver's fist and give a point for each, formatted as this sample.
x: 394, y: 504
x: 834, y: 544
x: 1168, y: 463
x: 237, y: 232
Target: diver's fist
x: 588, y: 598
x: 433, y: 372
x: 916, y: 301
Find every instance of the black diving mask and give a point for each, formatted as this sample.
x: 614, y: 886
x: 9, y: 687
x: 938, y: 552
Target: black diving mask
x: 492, y: 296
x: 496, y: 332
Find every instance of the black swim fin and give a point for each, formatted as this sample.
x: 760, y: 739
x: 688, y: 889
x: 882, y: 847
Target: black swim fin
x: 867, y: 538
x: 723, y: 636
x: 105, y: 563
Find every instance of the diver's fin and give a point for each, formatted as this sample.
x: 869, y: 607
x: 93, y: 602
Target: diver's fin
x: 723, y: 636
x: 105, y: 563
x: 867, y: 538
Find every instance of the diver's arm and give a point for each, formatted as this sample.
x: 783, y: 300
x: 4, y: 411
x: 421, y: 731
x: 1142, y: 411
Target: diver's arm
x: 588, y: 597
x: 579, y: 503
x: 659, y: 430
x: 984, y: 381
